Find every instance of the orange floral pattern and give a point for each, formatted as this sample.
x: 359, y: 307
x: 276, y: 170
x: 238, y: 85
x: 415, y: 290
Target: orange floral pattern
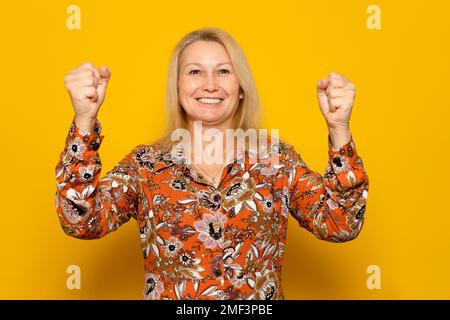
x: 202, y: 242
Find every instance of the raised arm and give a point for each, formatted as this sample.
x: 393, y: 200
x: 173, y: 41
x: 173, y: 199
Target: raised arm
x: 332, y: 207
x: 88, y: 207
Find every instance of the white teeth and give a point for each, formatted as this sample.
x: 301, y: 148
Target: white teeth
x: 209, y: 100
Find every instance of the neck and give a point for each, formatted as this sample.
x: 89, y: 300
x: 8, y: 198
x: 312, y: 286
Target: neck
x: 207, y: 140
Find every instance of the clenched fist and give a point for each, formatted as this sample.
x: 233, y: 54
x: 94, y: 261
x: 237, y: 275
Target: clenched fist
x: 87, y: 88
x: 336, y: 95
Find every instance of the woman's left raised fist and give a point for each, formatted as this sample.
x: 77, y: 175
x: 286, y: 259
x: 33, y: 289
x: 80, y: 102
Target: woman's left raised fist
x: 336, y: 95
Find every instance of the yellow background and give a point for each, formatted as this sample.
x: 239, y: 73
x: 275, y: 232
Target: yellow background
x: 399, y: 123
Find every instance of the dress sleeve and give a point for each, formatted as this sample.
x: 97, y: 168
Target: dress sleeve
x: 89, y: 207
x: 332, y: 207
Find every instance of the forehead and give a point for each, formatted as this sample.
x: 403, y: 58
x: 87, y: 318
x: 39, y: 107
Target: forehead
x: 204, y: 52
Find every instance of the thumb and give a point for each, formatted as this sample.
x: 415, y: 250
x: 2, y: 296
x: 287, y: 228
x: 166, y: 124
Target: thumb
x: 323, y: 84
x: 105, y: 75
x: 322, y: 96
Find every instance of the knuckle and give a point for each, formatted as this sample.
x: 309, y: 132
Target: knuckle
x: 90, y: 91
x: 78, y: 97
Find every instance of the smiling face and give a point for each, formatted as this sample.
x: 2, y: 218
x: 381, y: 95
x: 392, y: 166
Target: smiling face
x: 208, y: 87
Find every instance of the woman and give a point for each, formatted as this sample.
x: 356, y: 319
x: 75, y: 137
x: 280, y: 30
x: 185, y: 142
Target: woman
x: 209, y: 230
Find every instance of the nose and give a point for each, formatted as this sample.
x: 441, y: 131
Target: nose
x: 209, y: 83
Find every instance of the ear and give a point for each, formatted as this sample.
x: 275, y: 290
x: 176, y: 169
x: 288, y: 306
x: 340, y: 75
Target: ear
x: 241, y: 96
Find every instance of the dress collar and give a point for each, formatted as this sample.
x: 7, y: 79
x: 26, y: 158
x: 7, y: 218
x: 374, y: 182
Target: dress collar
x: 168, y: 154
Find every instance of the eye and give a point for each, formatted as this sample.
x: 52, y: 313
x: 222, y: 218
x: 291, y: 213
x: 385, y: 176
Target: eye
x: 224, y: 71
x: 195, y: 71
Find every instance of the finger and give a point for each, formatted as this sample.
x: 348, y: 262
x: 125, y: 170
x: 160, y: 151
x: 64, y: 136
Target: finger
x: 323, y: 101
x: 337, y: 80
x: 105, y: 75
x: 331, y: 107
x: 323, y: 84
x: 335, y: 75
x: 88, y: 66
x: 336, y: 83
x: 336, y: 103
x: 105, y: 72
x: 84, y: 82
x: 336, y: 92
x: 85, y: 73
x: 81, y: 74
x: 88, y: 93
x: 103, y: 83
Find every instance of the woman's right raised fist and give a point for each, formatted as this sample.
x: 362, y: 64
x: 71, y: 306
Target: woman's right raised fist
x: 87, y: 88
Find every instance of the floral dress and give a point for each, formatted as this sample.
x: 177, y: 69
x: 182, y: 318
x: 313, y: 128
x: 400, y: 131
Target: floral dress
x: 202, y: 242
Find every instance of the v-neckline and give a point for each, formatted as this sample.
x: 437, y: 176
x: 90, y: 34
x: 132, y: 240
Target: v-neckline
x: 198, y: 175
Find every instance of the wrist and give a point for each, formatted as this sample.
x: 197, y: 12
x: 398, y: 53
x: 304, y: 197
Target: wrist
x: 85, y: 124
x: 339, y: 136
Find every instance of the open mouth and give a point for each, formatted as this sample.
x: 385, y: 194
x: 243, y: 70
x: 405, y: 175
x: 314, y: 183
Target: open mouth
x: 210, y: 101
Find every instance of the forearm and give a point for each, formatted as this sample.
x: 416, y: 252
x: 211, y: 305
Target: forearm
x: 332, y: 207
x: 89, y: 207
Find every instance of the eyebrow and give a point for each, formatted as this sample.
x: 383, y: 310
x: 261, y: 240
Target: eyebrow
x: 199, y: 64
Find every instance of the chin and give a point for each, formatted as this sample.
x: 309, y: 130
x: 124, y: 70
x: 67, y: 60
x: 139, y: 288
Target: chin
x: 210, y: 115
x: 209, y: 119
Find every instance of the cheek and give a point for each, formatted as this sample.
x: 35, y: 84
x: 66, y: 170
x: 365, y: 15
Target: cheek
x: 231, y: 87
x: 187, y: 87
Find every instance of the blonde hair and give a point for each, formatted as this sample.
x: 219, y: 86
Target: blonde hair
x: 249, y: 110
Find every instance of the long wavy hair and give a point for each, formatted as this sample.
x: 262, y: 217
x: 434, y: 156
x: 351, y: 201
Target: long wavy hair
x: 248, y: 113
